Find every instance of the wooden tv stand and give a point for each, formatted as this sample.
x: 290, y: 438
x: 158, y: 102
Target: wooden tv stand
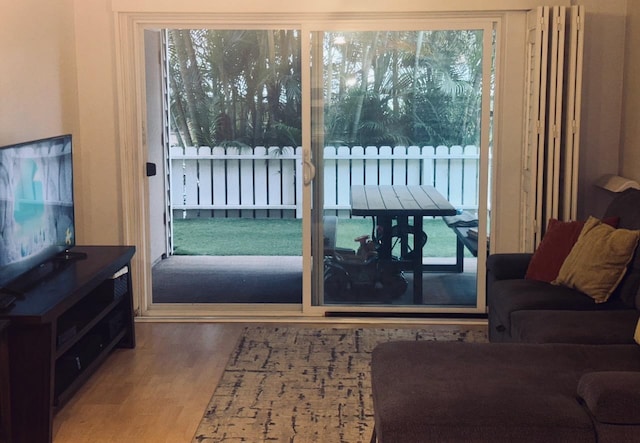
x: 61, y: 329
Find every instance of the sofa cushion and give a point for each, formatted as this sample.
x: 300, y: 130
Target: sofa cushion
x: 556, y: 244
x: 587, y: 327
x: 612, y: 396
x: 508, y: 296
x: 598, y: 260
x: 626, y: 205
x: 629, y: 288
x: 472, y: 392
x: 508, y: 266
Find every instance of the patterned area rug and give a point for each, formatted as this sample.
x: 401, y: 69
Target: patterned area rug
x: 301, y: 384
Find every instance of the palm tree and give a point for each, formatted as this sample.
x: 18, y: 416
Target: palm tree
x: 236, y: 87
x: 194, y: 99
x: 242, y: 88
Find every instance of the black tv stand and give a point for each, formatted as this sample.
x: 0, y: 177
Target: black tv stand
x: 61, y: 330
x: 11, y: 292
x: 34, y: 277
x: 68, y: 254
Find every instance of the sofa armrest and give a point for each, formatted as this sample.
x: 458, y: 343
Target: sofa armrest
x: 612, y: 396
x: 507, y: 266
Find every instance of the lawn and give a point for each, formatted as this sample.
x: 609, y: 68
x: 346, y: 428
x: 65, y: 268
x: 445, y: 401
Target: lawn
x: 241, y: 236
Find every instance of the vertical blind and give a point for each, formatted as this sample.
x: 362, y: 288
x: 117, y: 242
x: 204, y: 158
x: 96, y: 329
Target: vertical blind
x: 552, y: 135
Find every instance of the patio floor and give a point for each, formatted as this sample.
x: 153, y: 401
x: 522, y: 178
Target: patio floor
x: 271, y: 279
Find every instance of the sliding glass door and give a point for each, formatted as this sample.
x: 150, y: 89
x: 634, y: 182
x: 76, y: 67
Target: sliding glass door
x: 273, y: 130
x: 400, y: 123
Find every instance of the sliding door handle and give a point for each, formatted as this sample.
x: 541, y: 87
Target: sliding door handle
x: 308, y: 170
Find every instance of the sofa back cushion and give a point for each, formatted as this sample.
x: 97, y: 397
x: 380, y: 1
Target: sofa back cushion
x: 626, y: 205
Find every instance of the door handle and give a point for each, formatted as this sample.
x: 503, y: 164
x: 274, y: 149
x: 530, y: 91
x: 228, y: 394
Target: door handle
x: 308, y: 169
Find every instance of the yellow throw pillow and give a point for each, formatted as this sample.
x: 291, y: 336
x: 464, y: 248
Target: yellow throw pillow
x: 598, y: 260
x: 636, y: 335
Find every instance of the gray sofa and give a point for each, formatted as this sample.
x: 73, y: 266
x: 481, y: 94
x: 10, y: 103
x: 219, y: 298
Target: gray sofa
x: 576, y: 377
x: 523, y: 310
x: 505, y: 392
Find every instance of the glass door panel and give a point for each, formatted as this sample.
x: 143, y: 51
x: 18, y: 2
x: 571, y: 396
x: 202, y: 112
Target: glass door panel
x: 397, y: 116
x: 235, y: 150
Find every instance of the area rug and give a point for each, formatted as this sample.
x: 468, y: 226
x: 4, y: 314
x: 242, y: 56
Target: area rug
x: 300, y: 384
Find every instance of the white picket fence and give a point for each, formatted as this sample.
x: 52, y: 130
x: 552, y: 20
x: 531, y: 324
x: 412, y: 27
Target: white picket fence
x: 267, y: 182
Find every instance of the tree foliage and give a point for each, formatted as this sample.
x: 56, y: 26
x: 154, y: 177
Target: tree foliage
x: 243, y: 88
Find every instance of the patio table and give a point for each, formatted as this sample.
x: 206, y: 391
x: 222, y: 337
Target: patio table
x: 388, y: 202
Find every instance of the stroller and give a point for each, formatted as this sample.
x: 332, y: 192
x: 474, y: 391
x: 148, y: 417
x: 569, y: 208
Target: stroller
x: 362, y: 274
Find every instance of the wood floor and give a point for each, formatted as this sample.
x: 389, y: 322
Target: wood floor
x: 155, y: 393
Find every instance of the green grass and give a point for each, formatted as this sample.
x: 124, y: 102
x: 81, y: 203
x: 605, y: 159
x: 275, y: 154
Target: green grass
x: 240, y: 236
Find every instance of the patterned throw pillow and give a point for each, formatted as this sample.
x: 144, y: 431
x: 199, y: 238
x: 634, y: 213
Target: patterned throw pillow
x: 598, y: 260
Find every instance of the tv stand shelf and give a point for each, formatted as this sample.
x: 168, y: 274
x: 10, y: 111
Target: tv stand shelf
x: 61, y: 329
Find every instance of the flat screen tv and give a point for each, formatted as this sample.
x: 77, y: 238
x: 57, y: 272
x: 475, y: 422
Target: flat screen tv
x: 36, y: 205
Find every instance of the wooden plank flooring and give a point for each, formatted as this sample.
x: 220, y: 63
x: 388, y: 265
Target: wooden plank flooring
x: 155, y: 393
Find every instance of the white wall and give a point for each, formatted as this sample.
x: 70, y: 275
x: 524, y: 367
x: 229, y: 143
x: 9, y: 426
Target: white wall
x: 328, y: 6
x: 57, y: 78
x: 630, y: 149
x: 101, y: 181
x: 38, y: 77
x: 602, y: 100
x: 38, y: 83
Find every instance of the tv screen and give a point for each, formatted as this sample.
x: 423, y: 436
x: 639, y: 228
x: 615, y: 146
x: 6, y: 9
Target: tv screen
x: 36, y: 204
